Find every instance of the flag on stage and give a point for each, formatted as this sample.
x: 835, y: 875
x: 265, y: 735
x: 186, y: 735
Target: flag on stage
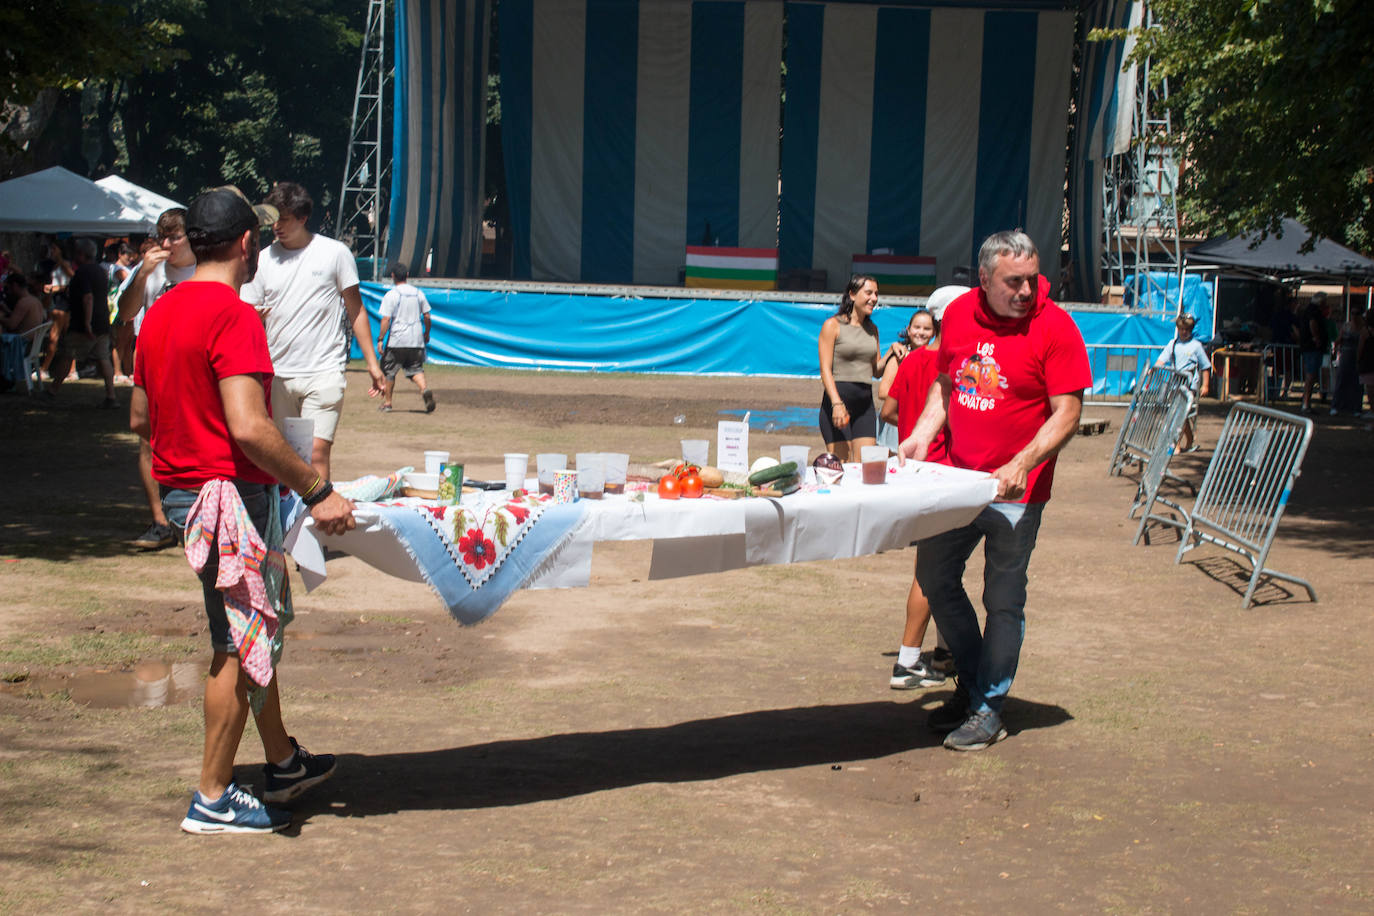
x: 732, y: 268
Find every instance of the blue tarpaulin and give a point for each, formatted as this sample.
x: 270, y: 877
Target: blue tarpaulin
x: 550, y: 331
x: 1159, y: 293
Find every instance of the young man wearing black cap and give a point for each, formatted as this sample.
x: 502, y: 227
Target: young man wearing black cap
x: 402, y: 336
x: 201, y: 376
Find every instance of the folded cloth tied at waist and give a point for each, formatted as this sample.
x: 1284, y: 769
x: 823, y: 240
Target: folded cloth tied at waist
x: 252, y: 574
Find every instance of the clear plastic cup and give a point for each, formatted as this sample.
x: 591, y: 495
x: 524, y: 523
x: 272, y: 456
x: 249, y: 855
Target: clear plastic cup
x: 696, y: 451
x: 545, y: 464
x: 300, y: 435
x: 875, y: 463
x: 801, y: 454
x: 591, y: 475
x: 517, y: 469
x: 617, y: 467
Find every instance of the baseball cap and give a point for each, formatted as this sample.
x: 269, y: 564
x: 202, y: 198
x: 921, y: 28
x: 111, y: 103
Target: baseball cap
x: 222, y: 214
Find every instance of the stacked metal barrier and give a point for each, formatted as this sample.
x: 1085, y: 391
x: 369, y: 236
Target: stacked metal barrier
x: 1139, y: 434
x: 1156, y: 468
x: 1246, y: 488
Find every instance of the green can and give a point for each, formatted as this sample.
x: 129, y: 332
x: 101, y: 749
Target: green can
x: 450, y: 484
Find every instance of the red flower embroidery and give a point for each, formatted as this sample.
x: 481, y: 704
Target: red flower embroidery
x: 519, y: 513
x: 477, y: 550
x: 436, y: 511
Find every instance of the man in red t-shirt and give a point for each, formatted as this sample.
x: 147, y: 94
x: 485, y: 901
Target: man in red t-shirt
x: 200, y: 399
x: 1012, y: 370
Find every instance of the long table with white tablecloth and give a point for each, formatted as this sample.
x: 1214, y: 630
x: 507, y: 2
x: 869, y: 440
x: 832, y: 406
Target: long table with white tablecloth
x: 551, y: 546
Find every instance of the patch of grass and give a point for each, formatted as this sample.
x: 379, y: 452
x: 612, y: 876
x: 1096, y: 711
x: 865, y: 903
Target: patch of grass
x: 767, y: 900
x: 97, y: 650
x: 973, y: 766
x: 386, y: 618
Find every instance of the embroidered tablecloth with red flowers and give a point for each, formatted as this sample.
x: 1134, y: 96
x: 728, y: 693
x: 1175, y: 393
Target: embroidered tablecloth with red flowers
x: 474, y: 555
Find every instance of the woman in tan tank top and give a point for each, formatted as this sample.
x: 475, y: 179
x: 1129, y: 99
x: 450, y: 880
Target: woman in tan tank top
x: 849, y: 362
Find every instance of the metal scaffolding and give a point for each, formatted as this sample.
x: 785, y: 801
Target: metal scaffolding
x: 361, y: 200
x: 1140, y: 195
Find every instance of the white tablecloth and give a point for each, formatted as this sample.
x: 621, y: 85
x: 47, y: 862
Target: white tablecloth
x: 696, y: 536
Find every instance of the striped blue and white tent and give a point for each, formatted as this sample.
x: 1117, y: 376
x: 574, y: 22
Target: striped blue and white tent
x: 921, y: 130
x: 632, y: 130
x: 438, y: 137
x: 1106, y: 106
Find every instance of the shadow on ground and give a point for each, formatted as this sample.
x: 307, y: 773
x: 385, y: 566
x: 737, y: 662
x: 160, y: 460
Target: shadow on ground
x: 531, y: 770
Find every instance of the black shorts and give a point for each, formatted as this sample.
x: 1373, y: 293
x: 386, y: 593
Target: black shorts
x: 410, y: 359
x: 863, y: 418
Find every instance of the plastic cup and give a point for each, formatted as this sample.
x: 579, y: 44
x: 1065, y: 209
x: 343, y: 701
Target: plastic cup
x: 545, y: 465
x: 617, y: 466
x: 300, y: 435
x: 696, y: 451
x: 517, y: 469
x: 801, y: 454
x: 591, y: 475
x: 564, y: 486
x: 434, y: 461
x: 875, y: 463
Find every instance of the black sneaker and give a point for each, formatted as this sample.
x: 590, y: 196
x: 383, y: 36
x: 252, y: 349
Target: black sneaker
x: 429, y: 400
x: 978, y: 731
x: 155, y: 538
x: 918, y: 675
x: 305, y: 770
x: 950, y: 714
x: 941, y: 660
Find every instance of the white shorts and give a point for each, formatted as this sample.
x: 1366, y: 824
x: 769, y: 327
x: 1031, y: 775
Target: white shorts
x: 317, y: 397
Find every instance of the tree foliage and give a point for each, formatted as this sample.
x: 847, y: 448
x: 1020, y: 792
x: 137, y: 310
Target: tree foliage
x: 263, y: 93
x: 61, y: 44
x: 1270, y: 100
x: 248, y: 92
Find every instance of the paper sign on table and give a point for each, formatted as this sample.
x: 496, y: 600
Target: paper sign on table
x: 732, y: 445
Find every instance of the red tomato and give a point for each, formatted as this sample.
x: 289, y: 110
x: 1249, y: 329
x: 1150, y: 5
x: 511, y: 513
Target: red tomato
x: 691, y: 486
x: 668, y: 487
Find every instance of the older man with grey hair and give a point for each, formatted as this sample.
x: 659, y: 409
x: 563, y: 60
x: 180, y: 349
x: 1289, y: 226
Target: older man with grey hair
x: 1012, y: 370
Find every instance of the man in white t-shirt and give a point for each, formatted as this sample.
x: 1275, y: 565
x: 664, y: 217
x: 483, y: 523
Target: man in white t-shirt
x: 164, y: 265
x: 305, y: 289
x: 405, y: 315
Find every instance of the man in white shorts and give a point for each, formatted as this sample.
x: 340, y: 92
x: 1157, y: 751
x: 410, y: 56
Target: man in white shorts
x: 305, y: 289
x: 402, y: 336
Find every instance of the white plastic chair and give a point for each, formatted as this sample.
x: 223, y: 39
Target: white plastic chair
x: 33, y: 352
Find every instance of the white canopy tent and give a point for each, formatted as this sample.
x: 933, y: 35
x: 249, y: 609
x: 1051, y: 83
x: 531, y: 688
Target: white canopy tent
x: 56, y: 200
x: 149, y: 203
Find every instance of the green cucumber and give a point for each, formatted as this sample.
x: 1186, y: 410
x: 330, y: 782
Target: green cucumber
x: 776, y: 472
x: 780, y: 487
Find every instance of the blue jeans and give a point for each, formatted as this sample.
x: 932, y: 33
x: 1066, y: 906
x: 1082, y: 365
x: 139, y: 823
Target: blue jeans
x: 986, y: 661
x: 177, y: 504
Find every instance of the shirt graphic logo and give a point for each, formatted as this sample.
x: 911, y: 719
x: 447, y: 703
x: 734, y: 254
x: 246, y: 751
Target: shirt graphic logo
x: 979, y: 383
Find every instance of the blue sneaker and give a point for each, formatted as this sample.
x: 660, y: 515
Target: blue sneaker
x: 236, y: 811
x: 305, y: 770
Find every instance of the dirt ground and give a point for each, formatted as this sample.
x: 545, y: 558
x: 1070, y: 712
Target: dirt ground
x: 723, y: 743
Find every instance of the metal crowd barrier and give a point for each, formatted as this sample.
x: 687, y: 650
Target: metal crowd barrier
x: 1135, y: 441
x: 1246, y: 488
x: 1156, y: 467
x: 1117, y: 369
x: 1282, y: 372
